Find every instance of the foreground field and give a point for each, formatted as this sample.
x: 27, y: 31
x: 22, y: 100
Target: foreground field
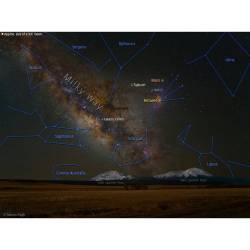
x: 39, y: 199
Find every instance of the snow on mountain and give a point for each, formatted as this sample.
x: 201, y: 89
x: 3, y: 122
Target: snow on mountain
x: 111, y: 175
x: 191, y: 172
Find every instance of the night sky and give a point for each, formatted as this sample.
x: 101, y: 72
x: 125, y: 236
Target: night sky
x: 139, y: 103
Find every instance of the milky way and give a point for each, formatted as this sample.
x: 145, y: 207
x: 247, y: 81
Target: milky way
x: 125, y: 118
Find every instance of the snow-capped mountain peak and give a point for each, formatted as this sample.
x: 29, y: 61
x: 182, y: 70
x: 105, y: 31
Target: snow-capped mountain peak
x: 191, y: 172
x: 111, y: 175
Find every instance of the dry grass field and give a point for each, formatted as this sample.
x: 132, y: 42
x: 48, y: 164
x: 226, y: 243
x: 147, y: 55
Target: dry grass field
x: 41, y: 199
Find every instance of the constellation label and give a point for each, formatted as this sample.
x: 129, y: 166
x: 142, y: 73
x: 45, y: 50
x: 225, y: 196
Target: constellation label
x: 79, y: 47
x: 67, y: 171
